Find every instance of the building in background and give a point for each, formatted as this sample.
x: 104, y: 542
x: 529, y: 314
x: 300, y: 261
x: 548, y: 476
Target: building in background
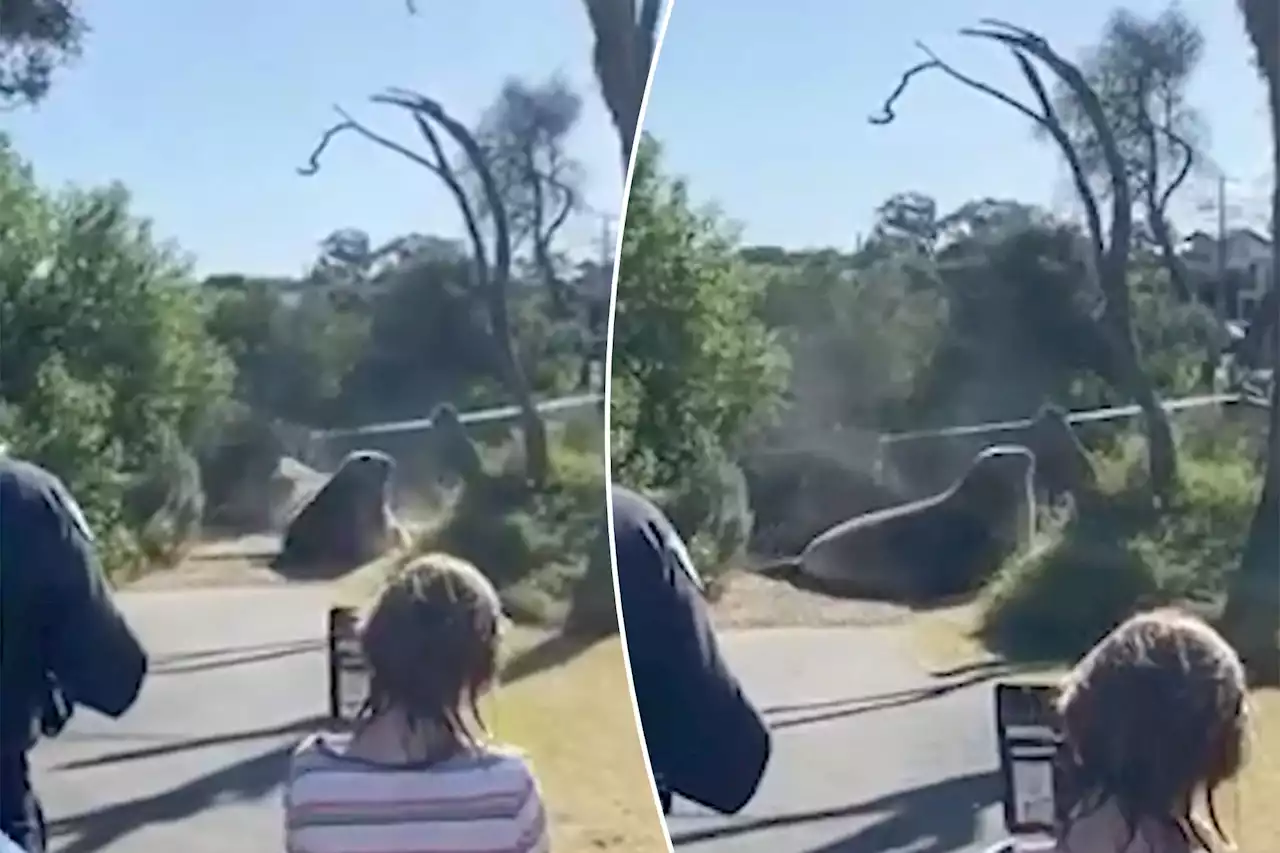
x: 1236, y: 271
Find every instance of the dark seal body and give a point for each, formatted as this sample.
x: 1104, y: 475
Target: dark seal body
x: 935, y: 547
x: 348, y: 523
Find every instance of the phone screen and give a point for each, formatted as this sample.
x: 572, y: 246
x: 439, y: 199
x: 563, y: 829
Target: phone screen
x: 348, y: 675
x: 1029, y: 739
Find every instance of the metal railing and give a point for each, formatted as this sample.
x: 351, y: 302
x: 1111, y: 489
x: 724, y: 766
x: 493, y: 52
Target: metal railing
x: 886, y: 442
x: 479, y: 416
x: 1077, y: 417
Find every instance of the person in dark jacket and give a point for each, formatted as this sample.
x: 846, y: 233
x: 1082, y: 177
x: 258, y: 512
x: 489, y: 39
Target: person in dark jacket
x: 706, y: 741
x: 63, y: 642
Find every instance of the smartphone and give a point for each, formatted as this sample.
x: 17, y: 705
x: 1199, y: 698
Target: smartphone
x: 348, y: 675
x: 1030, y: 742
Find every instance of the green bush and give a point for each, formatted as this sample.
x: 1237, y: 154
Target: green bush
x: 711, y: 509
x: 593, y: 608
x: 694, y: 367
x: 1059, y: 598
x: 534, y: 545
x: 105, y: 348
x: 1120, y: 554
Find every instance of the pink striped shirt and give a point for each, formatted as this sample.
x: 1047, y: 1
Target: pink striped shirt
x: 475, y: 803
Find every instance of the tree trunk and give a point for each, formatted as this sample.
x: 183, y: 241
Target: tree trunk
x: 623, y: 54
x: 1252, y: 617
x: 1169, y: 255
x: 1162, y: 452
x: 532, y: 428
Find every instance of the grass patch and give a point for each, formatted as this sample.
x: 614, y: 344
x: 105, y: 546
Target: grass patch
x: 1119, y: 554
x: 593, y: 775
x: 1254, y: 824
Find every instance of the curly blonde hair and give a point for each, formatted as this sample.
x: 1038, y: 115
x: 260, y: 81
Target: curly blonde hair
x: 431, y: 643
x: 1154, y: 715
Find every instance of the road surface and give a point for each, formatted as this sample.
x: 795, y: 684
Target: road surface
x: 863, y: 762
x: 238, y: 675
x: 871, y: 754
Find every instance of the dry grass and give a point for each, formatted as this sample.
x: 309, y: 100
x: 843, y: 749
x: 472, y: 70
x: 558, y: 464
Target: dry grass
x: 748, y: 600
x: 577, y: 725
x: 1254, y: 824
x: 575, y: 722
x: 944, y: 639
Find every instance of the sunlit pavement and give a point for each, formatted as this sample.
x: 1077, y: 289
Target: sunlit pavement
x: 238, y: 675
x: 871, y: 755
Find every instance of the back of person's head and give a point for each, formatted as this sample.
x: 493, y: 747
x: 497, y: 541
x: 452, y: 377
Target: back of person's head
x: 1155, y: 716
x: 431, y: 643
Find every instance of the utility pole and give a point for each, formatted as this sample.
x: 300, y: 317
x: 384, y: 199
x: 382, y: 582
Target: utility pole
x: 1221, y: 301
x: 606, y: 241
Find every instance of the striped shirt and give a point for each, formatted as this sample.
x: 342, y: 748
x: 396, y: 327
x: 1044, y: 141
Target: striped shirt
x: 473, y: 803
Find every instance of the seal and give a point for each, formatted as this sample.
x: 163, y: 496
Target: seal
x: 932, y: 548
x: 348, y: 523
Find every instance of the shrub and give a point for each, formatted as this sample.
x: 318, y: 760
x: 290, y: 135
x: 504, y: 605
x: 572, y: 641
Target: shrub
x: 534, y: 545
x: 593, y: 609
x: 105, y: 348
x: 166, y: 503
x: 1059, y: 598
x: 1120, y: 555
x: 711, y: 510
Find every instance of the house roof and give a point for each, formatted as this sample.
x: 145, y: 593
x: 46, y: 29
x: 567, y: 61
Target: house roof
x: 1232, y: 234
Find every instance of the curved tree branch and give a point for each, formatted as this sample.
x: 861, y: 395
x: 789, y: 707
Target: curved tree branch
x: 1114, y: 322
x: 1047, y: 120
x: 1115, y: 259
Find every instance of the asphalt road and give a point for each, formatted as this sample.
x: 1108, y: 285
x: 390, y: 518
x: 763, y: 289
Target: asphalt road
x: 238, y: 676
x: 871, y: 754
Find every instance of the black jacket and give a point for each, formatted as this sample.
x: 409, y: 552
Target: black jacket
x: 63, y: 642
x: 706, y: 740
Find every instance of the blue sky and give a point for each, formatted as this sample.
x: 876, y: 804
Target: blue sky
x: 205, y: 109
x: 764, y: 108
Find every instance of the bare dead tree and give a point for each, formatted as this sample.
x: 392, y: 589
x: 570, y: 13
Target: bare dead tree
x: 1110, y: 245
x: 1158, y: 194
x: 544, y: 230
x: 491, y: 260
x: 523, y: 135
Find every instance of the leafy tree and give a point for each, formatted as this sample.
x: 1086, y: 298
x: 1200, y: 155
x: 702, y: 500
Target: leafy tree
x: 524, y: 135
x: 291, y: 357
x: 1140, y: 71
x: 858, y: 337
x: 36, y: 38
x: 105, y: 351
x: 427, y: 345
x: 1109, y: 246
x: 906, y: 221
x: 693, y: 368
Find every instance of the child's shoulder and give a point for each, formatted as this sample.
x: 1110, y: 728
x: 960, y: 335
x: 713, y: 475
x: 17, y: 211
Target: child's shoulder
x: 506, y: 757
x: 316, y: 749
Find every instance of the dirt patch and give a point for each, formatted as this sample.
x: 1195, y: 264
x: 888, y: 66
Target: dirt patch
x: 749, y: 600
x: 234, y: 561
